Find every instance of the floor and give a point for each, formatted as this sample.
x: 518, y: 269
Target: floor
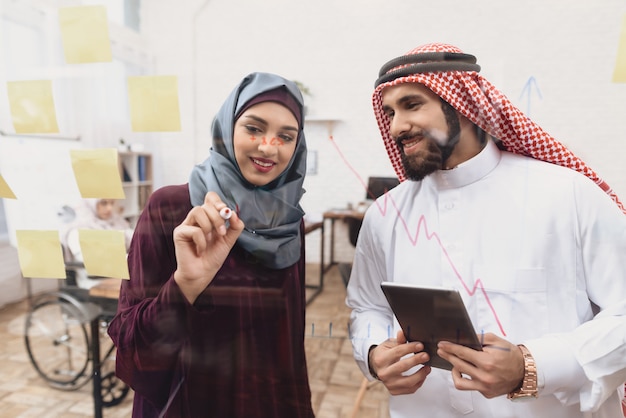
x: 334, y: 377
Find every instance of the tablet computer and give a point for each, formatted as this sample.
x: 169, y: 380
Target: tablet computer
x: 430, y: 315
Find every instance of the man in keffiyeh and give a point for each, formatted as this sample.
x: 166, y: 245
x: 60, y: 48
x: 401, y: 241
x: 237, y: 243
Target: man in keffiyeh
x: 534, y: 240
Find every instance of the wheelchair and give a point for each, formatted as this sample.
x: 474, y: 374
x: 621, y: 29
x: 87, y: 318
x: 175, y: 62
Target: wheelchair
x: 58, y: 335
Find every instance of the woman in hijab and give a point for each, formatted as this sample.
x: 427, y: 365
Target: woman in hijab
x: 101, y: 214
x: 211, y: 322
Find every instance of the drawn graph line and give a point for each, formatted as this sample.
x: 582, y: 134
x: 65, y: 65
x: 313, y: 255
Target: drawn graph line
x: 340, y: 336
x: 531, y: 86
x: 413, y: 238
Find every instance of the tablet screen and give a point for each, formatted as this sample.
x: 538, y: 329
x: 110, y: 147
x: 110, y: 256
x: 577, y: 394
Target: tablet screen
x: 430, y: 315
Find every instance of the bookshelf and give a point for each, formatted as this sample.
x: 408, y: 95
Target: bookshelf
x: 136, y: 174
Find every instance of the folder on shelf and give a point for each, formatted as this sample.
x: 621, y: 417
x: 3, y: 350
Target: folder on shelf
x: 141, y: 166
x: 125, y: 175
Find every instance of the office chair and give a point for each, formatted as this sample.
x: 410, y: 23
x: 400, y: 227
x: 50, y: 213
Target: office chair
x: 376, y: 187
x: 354, y: 226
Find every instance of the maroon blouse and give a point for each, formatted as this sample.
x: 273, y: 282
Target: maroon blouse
x: 238, y: 351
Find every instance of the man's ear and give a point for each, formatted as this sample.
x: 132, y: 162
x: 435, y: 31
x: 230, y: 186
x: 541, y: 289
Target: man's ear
x: 470, y: 128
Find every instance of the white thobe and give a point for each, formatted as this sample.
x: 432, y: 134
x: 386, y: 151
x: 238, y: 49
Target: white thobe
x: 535, y: 249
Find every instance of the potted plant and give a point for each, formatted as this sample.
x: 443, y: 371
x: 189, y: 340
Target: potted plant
x: 304, y: 89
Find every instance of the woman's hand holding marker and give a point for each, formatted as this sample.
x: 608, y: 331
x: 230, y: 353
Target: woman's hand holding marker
x: 202, y: 243
x: 226, y: 213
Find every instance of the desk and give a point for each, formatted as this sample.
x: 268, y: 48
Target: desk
x: 107, y: 288
x: 310, y: 227
x: 333, y: 215
x: 104, y: 295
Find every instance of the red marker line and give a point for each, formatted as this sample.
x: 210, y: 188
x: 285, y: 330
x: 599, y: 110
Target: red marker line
x: 478, y: 284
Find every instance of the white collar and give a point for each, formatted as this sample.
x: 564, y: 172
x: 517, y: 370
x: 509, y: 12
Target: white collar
x: 469, y: 171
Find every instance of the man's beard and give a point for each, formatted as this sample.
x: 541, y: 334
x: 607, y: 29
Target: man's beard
x: 424, y: 162
x: 419, y: 165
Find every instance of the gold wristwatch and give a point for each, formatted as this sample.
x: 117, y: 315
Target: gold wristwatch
x: 528, y: 389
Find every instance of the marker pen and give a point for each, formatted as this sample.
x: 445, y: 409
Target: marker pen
x: 226, y: 213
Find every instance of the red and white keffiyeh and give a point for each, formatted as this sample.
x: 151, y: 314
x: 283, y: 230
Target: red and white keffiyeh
x: 478, y: 100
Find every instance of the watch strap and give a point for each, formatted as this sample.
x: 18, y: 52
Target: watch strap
x: 528, y: 388
x: 369, y: 363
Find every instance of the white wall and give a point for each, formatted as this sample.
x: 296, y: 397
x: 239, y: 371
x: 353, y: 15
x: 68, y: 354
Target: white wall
x: 336, y: 49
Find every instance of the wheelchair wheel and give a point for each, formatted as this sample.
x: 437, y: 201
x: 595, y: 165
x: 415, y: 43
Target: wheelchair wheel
x: 57, y: 341
x: 113, y: 389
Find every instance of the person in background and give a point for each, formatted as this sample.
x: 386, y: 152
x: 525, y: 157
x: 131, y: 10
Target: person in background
x: 211, y: 322
x: 492, y: 205
x: 101, y: 214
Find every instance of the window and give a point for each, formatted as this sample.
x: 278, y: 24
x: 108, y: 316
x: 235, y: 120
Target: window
x: 123, y: 12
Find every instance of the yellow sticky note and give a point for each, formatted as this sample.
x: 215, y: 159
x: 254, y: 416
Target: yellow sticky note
x: 153, y: 103
x: 85, y: 34
x: 40, y: 254
x: 5, y: 190
x: 104, y: 253
x: 32, y: 106
x: 619, y: 75
x: 97, y: 173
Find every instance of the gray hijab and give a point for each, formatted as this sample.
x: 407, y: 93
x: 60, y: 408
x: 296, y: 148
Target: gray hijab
x: 271, y: 213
